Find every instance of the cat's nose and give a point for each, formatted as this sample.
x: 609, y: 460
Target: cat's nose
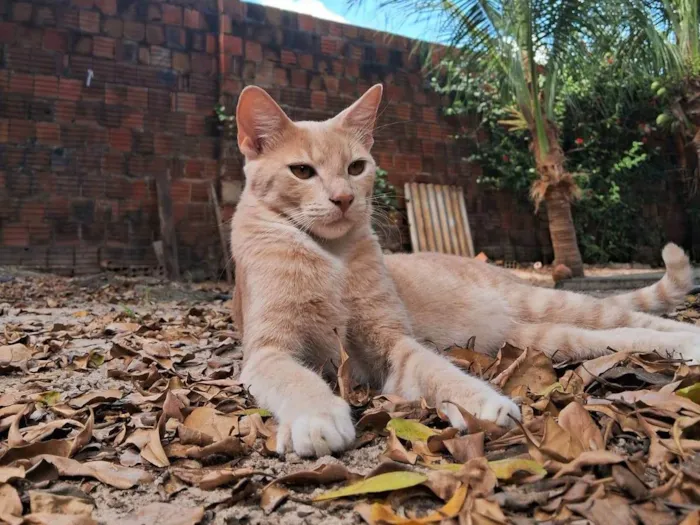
x: 343, y: 201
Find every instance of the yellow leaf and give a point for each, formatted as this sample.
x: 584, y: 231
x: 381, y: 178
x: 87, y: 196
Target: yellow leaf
x: 506, y: 468
x: 251, y: 411
x: 691, y: 392
x: 451, y: 467
x: 81, y: 313
x: 381, y: 483
x: 410, y: 430
x: 50, y: 398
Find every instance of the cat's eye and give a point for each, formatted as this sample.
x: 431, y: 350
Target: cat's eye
x: 357, y: 167
x: 302, y: 171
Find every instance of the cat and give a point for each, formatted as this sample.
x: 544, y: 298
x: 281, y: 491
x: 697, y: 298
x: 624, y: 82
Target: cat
x: 310, y: 275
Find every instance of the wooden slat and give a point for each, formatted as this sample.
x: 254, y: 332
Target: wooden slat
x: 167, y: 226
x: 410, y: 209
x: 437, y: 218
x: 465, y: 224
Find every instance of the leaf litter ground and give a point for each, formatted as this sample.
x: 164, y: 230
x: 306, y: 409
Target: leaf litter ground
x: 119, y: 403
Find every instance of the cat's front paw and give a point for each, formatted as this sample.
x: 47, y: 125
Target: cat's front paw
x: 490, y: 406
x: 317, y: 431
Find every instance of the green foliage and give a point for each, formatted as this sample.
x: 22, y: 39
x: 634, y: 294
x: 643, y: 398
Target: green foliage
x: 227, y: 122
x: 384, y: 191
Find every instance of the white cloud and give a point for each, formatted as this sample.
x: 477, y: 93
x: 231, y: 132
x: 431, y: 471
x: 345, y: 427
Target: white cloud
x: 314, y: 8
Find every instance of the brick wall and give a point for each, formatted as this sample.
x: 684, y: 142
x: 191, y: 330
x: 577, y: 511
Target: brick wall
x: 97, y: 97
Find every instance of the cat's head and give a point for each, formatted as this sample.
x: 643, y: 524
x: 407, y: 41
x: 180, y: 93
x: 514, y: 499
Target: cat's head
x: 319, y: 174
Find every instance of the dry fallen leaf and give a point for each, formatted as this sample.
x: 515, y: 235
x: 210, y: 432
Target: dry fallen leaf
x: 578, y: 422
x: 48, y: 503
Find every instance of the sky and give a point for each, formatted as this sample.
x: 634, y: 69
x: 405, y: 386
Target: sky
x: 390, y: 20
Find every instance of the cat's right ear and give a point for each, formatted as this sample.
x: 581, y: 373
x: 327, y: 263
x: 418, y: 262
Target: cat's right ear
x: 260, y: 121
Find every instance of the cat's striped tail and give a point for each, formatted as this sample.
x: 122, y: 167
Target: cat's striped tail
x: 664, y: 295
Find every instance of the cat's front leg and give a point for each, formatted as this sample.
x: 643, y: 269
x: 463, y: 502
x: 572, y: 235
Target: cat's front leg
x: 312, y: 420
x: 417, y: 372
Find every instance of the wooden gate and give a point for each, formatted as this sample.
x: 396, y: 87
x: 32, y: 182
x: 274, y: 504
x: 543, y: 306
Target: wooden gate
x: 437, y: 219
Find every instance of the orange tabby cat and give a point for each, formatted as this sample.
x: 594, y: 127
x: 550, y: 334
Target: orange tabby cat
x: 310, y: 270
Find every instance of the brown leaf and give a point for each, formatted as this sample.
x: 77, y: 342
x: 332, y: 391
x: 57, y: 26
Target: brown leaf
x: 467, y: 447
x: 56, y: 447
x: 10, y: 504
x: 590, y: 370
x: 108, y: 473
x: 396, y: 451
x: 48, y: 503
x: 501, y: 379
x: 191, y: 436
x: 321, y: 475
x: 8, y: 473
x: 588, y: 459
x: 208, y: 479
x: 272, y: 497
x: 14, y: 357
x: 559, y: 444
x: 94, y: 398
x: 613, y: 509
x: 536, y: 373
x: 166, y: 514
x: 478, y: 476
x: 57, y: 519
x: 578, y: 422
x: 231, y: 447
x: 629, y: 482
x: 209, y: 421
x: 84, y: 436
x: 152, y: 450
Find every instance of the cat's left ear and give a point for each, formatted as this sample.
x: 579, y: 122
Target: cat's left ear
x: 362, y: 115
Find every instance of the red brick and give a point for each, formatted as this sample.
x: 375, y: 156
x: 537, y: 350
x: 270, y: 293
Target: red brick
x: 186, y: 102
x: 134, y: 31
x: 65, y: 111
x: 318, y: 100
x: 200, y: 192
x: 306, y: 61
x: 120, y: 139
x: 160, y: 57
x: 48, y: 133
x: 55, y: 40
x: 429, y: 114
x: 15, y: 235
x: 7, y: 32
x: 89, y: 21
x: 21, y: 130
x: 30, y: 37
x: 69, y: 89
x: 180, y: 191
x: 46, y: 86
x: 22, y: 12
x: 22, y: 83
x: 329, y: 45
x: 114, y: 94
x: 307, y: 23
x: 300, y: 78
x: 194, y: 125
x: 4, y: 131
x: 193, y: 19
x: 154, y: 34
x: 163, y: 144
x: 132, y: 119
x: 137, y: 97
x: 233, y: 45
x: 108, y: 7
x: 281, y: 78
x: 253, y: 51
x: 403, y: 111
x: 181, y: 62
x: 113, y: 27
x: 288, y: 57
x: 103, y: 47
x: 172, y: 15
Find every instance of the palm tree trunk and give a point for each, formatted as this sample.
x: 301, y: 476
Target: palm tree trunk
x: 562, y: 230
x: 557, y: 188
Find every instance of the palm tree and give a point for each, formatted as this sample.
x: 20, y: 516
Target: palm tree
x: 529, y: 44
x: 671, y: 30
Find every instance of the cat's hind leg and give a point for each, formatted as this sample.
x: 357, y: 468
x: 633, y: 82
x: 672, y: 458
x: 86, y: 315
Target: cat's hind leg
x: 564, y: 342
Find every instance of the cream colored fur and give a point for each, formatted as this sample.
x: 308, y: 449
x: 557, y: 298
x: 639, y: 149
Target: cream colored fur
x: 309, y: 271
